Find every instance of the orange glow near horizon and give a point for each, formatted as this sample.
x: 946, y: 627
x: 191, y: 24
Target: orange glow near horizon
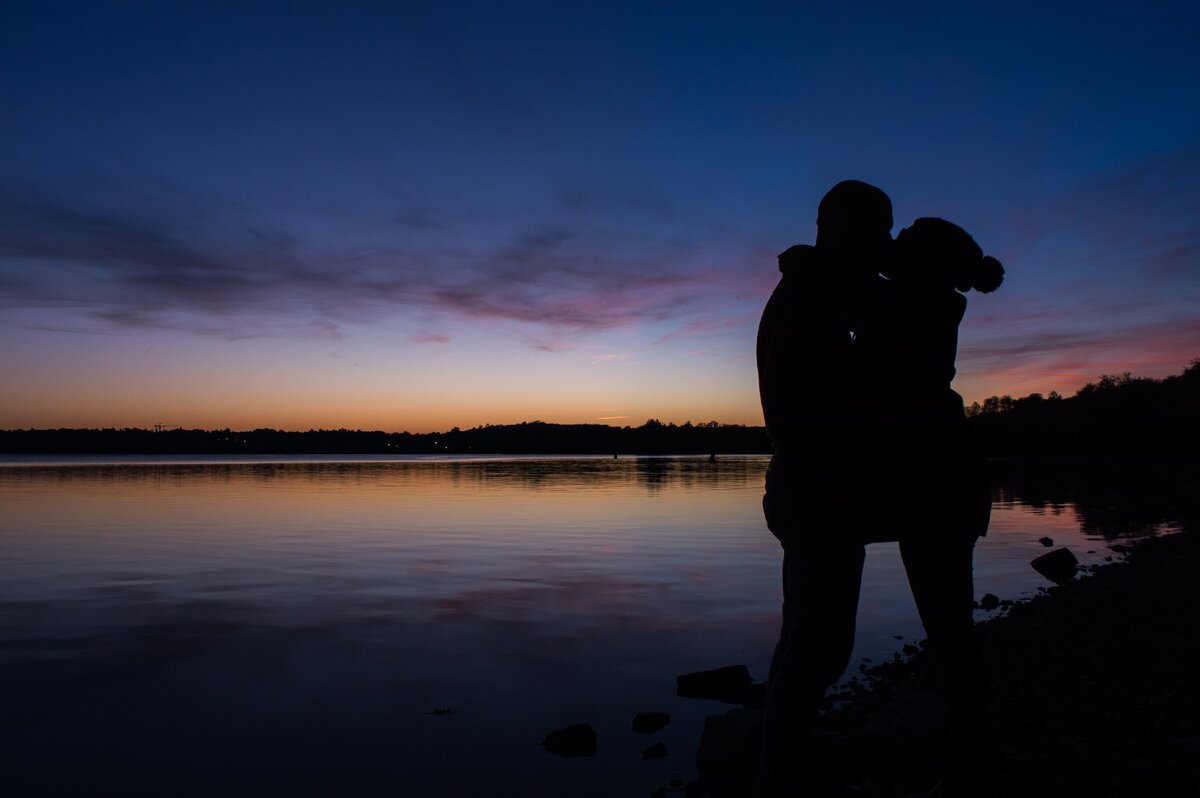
x: 316, y: 408
x: 313, y: 406
x: 381, y: 383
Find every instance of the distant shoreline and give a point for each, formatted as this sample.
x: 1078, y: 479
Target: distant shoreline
x: 530, y: 438
x: 1119, y: 418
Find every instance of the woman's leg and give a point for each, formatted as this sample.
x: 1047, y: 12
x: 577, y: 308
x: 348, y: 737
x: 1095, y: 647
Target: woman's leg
x: 940, y: 573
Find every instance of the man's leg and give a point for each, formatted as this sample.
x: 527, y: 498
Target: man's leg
x: 820, y: 599
x: 940, y: 572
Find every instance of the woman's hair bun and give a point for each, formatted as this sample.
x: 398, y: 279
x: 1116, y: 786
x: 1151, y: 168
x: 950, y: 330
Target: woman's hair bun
x: 987, y: 274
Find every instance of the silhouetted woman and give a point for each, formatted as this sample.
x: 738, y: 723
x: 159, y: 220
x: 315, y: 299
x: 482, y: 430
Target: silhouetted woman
x: 921, y: 460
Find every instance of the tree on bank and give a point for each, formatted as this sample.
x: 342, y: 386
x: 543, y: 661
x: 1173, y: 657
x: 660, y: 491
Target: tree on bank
x: 1117, y: 416
x: 531, y: 437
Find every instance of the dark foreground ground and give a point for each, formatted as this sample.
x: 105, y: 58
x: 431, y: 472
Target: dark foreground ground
x: 1095, y: 685
x: 1095, y: 691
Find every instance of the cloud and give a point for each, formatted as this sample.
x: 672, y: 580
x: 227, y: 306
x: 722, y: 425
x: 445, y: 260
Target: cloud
x: 611, y: 357
x: 187, y: 265
x: 1064, y: 357
x: 1138, y: 222
x: 635, y: 201
x: 1107, y: 279
x: 711, y: 324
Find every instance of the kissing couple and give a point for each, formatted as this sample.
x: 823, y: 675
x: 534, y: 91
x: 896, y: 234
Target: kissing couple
x: 856, y: 352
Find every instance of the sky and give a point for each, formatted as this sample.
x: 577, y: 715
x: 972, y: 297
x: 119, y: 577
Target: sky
x: 412, y: 216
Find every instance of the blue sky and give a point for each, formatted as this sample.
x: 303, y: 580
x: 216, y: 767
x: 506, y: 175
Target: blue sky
x: 413, y: 216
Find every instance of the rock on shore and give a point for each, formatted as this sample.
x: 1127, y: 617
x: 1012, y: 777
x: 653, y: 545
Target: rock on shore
x: 578, y: 739
x: 1059, y: 565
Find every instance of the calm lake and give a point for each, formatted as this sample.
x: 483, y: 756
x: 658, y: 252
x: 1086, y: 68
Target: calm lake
x: 218, y: 627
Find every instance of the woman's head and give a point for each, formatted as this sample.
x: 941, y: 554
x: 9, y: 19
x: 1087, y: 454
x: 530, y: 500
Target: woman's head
x: 937, y: 252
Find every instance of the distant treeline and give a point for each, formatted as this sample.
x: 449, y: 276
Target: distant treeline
x: 1117, y: 417
x: 534, y: 437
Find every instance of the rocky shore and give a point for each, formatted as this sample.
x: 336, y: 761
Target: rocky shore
x: 1093, y: 685
x: 1094, y: 692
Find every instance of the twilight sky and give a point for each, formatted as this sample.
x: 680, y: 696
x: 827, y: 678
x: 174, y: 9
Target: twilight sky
x: 420, y: 215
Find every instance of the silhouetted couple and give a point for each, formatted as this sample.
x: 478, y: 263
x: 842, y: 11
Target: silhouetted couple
x: 856, y: 353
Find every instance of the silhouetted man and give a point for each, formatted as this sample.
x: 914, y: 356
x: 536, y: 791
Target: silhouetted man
x: 811, y: 399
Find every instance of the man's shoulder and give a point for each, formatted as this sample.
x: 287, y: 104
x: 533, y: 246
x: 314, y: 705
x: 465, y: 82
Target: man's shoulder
x: 795, y: 260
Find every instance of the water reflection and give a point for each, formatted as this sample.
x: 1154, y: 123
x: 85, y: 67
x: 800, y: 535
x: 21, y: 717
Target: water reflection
x: 1113, y: 500
x: 650, y: 472
x: 297, y: 621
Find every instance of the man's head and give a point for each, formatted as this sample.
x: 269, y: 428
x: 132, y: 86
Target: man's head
x: 854, y: 225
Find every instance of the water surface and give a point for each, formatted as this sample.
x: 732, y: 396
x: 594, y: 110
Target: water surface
x: 211, y: 626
